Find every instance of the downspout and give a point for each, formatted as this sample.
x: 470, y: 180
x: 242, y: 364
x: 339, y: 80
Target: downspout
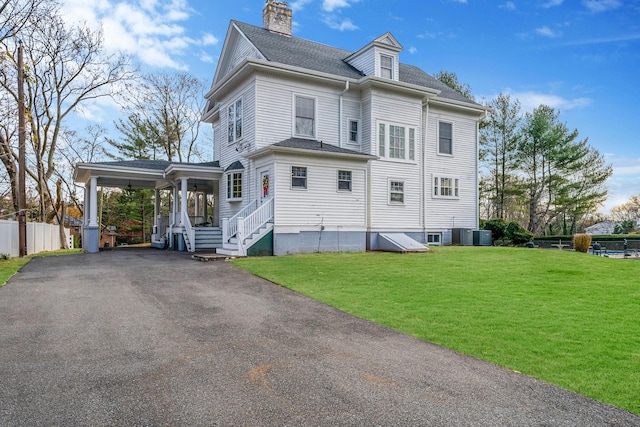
x: 423, y: 164
x: 346, y: 89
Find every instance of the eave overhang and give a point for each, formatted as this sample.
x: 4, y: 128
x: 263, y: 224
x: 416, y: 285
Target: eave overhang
x: 272, y: 149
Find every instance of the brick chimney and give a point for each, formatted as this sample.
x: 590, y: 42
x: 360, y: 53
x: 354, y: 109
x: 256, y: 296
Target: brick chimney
x: 277, y: 17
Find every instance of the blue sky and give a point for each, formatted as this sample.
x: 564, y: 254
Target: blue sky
x: 581, y: 57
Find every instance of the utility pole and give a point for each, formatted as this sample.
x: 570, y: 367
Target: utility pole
x: 22, y: 191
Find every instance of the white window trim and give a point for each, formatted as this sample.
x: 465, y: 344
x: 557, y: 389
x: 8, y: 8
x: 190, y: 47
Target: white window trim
x: 455, y: 187
x: 306, y: 178
x: 404, y: 192
x: 387, y: 142
x: 434, y: 243
x: 231, y: 176
x: 393, y: 65
x: 452, y: 138
x: 342, y: 190
x: 234, y: 105
x: 315, y: 116
x: 357, y: 121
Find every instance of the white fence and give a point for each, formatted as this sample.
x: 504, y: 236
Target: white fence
x: 40, y: 237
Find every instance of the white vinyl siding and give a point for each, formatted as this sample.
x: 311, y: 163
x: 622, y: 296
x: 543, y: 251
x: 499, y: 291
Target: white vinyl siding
x: 277, y: 116
x: 446, y: 212
x: 320, y: 204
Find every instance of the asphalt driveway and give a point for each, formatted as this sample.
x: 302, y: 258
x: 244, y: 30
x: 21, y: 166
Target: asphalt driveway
x: 148, y: 337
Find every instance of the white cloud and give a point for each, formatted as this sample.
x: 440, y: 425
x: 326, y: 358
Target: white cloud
x: 508, y: 6
x: 552, y: 3
x: 151, y: 30
x: 413, y: 50
x: 530, y: 100
x: 342, y: 25
x: 209, y: 40
x: 596, y: 6
x: 547, y: 32
x: 298, y: 5
x: 331, y: 5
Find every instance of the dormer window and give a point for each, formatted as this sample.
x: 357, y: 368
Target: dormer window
x: 386, y: 66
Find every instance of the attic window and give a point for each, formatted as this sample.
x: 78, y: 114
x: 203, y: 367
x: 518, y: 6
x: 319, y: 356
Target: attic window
x: 386, y: 67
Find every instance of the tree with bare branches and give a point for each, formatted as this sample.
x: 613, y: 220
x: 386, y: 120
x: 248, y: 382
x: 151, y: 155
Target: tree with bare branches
x: 163, y: 120
x: 66, y: 67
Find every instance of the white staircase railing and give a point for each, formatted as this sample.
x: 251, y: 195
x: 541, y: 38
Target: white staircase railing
x: 230, y: 226
x: 245, y: 227
x: 188, y: 232
x: 252, y: 223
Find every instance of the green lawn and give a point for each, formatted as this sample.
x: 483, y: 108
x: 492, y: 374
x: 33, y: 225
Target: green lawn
x: 568, y: 318
x: 9, y: 267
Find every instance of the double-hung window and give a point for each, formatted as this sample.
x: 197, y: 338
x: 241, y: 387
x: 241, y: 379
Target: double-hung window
x: 305, y: 120
x: 298, y: 177
x: 386, y: 66
x: 354, y: 134
x: 344, y: 180
x: 396, y: 192
x: 445, y: 138
x: 234, y: 121
x: 396, y: 142
x: 446, y: 186
x: 234, y: 186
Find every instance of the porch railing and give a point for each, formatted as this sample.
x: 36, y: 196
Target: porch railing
x: 254, y: 221
x: 230, y: 226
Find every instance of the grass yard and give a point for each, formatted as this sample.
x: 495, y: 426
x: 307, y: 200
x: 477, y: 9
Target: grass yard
x: 9, y: 267
x: 568, y: 318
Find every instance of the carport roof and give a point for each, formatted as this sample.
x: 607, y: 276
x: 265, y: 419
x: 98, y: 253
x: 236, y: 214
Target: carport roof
x: 143, y: 173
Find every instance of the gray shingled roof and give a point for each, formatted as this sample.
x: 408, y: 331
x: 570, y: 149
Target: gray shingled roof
x: 303, y: 53
x: 153, y: 164
x: 309, y: 144
x: 237, y: 165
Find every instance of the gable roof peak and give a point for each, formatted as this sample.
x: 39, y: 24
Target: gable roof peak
x: 389, y: 41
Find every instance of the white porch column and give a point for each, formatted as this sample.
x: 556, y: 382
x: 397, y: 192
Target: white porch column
x: 196, y: 197
x: 175, y: 205
x: 93, y: 202
x: 183, y: 196
x: 205, y: 207
x: 90, y: 231
x: 156, y: 211
x: 85, y: 213
x: 156, y: 205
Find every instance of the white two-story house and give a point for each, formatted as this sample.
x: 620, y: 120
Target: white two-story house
x: 347, y: 145
x: 316, y: 149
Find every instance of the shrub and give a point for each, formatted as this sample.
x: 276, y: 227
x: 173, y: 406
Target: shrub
x: 497, y: 227
x: 581, y: 242
x: 517, y: 234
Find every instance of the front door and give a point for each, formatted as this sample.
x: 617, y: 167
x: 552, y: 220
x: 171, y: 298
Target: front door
x: 265, y: 185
